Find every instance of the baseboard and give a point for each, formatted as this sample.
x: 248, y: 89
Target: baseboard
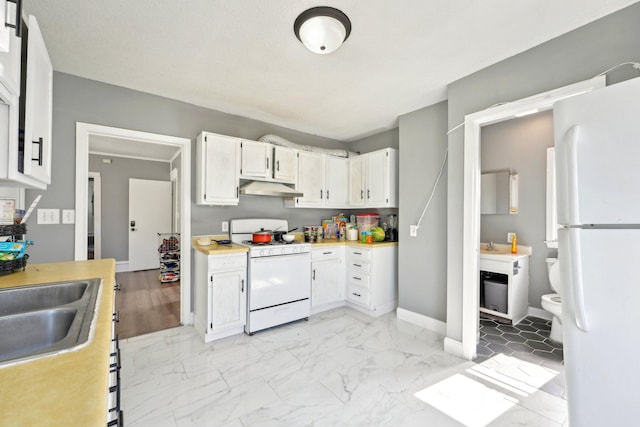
x: 329, y: 306
x: 452, y: 346
x: 423, y: 321
x: 538, y: 312
x: 122, y: 266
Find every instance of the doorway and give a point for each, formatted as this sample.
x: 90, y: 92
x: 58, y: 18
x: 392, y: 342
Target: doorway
x: 471, y: 209
x: 94, y: 217
x: 140, y: 145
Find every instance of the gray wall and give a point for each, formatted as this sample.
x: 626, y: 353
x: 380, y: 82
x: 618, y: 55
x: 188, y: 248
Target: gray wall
x: 575, y: 56
x: 114, y: 178
x: 521, y: 145
x: 422, y: 260
x: 77, y: 99
x: 375, y: 142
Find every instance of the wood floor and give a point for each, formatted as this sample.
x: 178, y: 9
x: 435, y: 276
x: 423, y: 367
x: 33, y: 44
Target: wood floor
x: 145, y: 305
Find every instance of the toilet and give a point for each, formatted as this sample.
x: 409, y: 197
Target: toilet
x: 552, y: 302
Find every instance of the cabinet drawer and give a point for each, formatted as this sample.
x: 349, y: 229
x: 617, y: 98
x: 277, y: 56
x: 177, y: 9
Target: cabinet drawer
x: 358, y: 253
x: 358, y: 296
x: 325, y: 253
x: 359, y: 265
x: 221, y: 262
x: 356, y: 278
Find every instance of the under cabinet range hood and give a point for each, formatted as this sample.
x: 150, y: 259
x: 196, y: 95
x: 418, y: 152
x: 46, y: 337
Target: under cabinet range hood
x: 265, y: 188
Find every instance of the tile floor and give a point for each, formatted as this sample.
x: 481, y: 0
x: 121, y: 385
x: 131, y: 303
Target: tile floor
x: 528, y: 340
x: 341, y: 368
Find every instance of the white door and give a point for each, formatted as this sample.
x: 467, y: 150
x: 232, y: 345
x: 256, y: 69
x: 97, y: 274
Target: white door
x: 227, y: 299
x: 310, y: 179
x: 377, y: 178
x: 336, y: 181
x: 149, y: 214
x: 356, y: 181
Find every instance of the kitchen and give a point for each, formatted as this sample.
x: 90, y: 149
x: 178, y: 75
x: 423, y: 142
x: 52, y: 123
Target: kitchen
x: 429, y: 265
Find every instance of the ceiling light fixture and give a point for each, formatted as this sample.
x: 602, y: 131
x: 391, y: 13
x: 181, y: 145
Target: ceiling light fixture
x: 322, y: 29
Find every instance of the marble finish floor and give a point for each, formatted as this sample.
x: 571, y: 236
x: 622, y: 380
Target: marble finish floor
x: 341, y: 368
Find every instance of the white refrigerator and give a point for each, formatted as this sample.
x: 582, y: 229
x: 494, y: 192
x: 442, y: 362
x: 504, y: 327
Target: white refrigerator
x: 597, y: 137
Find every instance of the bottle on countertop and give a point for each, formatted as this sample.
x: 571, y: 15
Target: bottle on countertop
x: 514, y: 244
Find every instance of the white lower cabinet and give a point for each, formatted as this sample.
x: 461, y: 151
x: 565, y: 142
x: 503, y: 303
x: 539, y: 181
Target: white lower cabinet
x: 514, y: 270
x: 327, y: 278
x: 372, y: 278
x: 364, y: 278
x: 220, y: 294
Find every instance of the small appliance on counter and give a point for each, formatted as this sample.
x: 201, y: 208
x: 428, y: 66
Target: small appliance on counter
x: 391, y: 233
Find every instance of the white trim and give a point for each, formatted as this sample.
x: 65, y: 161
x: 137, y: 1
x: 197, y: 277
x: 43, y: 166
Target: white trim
x: 471, y: 182
x: 125, y: 156
x: 122, y: 266
x: 426, y: 322
x: 328, y: 306
x: 83, y: 133
x: 452, y: 346
x: 97, y: 214
x: 539, y: 312
x: 175, y: 201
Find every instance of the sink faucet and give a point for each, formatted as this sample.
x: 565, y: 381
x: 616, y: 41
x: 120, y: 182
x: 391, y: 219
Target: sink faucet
x: 490, y: 246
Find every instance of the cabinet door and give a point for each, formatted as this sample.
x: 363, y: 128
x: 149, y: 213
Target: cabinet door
x: 38, y: 107
x: 256, y: 159
x: 357, y: 181
x: 377, y: 179
x: 310, y: 179
x: 10, y: 46
x: 336, y: 181
x: 218, y: 170
x: 285, y: 162
x: 227, y: 299
x: 326, y: 282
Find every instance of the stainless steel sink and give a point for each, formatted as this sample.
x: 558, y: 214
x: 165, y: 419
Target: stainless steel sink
x: 43, y: 319
x: 29, y: 298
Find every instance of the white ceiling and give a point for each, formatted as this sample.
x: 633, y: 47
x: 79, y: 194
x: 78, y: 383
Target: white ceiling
x: 241, y: 56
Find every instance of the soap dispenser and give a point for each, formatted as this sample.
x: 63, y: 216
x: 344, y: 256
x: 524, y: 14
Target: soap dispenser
x: 514, y: 244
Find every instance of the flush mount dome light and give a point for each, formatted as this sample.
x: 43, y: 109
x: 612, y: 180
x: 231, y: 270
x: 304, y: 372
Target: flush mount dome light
x: 322, y: 29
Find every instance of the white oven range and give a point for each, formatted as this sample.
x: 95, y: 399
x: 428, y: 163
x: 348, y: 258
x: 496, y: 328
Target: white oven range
x: 278, y: 275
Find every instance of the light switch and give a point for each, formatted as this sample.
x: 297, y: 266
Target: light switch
x: 48, y: 216
x: 68, y: 216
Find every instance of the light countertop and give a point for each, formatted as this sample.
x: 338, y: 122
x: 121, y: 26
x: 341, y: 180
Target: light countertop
x: 69, y: 388
x: 216, y: 249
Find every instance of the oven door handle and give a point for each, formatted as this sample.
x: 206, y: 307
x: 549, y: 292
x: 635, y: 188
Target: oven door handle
x: 289, y: 257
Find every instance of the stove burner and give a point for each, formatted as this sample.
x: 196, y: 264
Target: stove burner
x: 271, y: 243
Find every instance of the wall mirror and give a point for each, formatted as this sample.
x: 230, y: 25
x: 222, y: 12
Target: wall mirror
x: 499, y: 193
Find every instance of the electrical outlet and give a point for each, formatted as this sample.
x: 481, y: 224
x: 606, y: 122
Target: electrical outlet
x: 225, y: 226
x: 413, y: 230
x: 510, y: 237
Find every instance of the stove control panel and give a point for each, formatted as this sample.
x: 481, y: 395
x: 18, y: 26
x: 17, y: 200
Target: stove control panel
x: 279, y: 250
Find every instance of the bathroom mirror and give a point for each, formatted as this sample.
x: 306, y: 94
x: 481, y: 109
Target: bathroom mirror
x: 499, y: 193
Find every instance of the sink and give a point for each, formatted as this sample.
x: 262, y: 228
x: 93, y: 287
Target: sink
x: 36, y: 320
x: 494, y: 251
x: 29, y: 298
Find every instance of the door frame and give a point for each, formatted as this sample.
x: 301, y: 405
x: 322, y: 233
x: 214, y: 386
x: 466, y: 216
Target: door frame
x: 97, y: 214
x: 83, y: 133
x: 471, y: 210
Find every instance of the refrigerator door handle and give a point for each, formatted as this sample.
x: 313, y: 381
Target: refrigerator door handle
x: 575, y: 266
x: 572, y: 136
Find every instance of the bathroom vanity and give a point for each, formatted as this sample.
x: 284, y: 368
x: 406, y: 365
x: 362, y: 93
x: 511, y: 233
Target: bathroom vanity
x: 509, y: 270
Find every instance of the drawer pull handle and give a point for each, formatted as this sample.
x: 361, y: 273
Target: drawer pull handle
x: 357, y: 278
x: 358, y: 295
x: 39, y: 158
x: 357, y: 265
x: 327, y: 253
x: 357, y: 253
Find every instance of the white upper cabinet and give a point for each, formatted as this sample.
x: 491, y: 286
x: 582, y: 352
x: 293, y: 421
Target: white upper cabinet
x: 310, y: 180
x: 26, y: 112
x: 382, y: 178
x: 357, y: 181
x: 38, y: 107
x: 10, y: 46
x: 336, y: 179
x: 285, y: 162
x: 217, y: 169
x: 256, y: 159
